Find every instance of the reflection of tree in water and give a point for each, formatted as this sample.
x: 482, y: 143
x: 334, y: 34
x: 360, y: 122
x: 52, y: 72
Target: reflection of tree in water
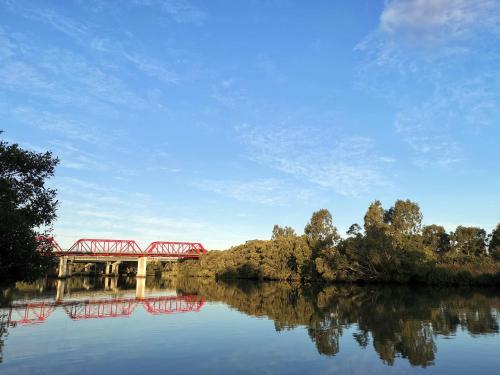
x: 400, y: 321
x: 5, y: 298
x: 4, y: 315
x: 397, y: 321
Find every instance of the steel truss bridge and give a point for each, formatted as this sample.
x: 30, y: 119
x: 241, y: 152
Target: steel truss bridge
x: 125, y: 248
x: 114, y: 252
x: 39, y: 312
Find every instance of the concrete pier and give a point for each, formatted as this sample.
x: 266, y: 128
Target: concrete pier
x: 142, y: 264
x: 64, y: 267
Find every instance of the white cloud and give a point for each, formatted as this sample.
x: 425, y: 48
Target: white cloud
x: 348, y: 165
x: 439, y: 20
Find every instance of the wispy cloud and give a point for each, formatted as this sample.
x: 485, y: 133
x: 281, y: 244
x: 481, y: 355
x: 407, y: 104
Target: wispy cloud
x: 463, y: 108
x: 269, y: 67
x: 73, y: 157
x: 421, y: 47
x: 67, y: 77
x: 228, y: 93
x: 181, y: 11
x: 63, y: 77
x: 55, y: 123
x: 268, y: 191
x: 66, y: 25
x: 153, y: 69
x: 97, y: 210
x: 348, y: 165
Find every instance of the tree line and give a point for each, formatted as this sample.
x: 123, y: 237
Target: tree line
x: 392, y: 246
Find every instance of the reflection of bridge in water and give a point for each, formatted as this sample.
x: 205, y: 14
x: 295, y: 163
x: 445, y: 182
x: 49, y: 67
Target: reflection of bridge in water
x: 37, y: 312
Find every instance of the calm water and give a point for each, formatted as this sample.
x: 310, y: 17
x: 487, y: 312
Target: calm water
x: 186, y: 326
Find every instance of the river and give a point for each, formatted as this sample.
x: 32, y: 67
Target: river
x: 184, y: 326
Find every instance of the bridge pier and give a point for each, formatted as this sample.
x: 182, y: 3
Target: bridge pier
x: 64, y: 269
x: 112, y: 268
x: 142, y: 264
x: 115, y: 268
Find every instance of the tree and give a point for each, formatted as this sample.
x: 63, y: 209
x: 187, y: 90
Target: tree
x: 377, y: 244
x: 26, y: 206
x: 354, y: 230
x: 279, y: 232
x: 405, y: 218
x: 320, y: 231
x: 374, y: 217
x: 494, y: 246
x: 436, y: 238
x: 469, y: 241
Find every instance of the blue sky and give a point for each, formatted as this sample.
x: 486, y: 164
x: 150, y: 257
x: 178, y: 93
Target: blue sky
x: 212, y: 121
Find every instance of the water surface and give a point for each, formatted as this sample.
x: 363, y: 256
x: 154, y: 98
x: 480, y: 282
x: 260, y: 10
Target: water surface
x: 181, y: 326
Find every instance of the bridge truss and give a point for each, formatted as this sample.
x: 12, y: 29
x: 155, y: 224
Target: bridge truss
x: 125, y: 248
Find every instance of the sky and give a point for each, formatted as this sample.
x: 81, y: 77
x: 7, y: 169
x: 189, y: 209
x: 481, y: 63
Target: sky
x: 212, y: 121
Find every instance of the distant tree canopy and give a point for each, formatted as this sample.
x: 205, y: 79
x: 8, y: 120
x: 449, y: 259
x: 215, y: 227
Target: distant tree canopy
x: 494, y: 247
x: 281, y: 232
x: 469, y: 242
x: 394, y: 247
x: 26, y: 206
x: 320, y: 231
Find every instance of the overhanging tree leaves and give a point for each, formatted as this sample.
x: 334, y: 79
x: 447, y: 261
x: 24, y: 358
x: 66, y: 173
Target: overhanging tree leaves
x: 27, y: 209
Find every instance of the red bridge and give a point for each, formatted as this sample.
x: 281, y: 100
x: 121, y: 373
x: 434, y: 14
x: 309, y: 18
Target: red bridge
x: 106, y: 247
x: 36, y: 313
x: 114, y: 252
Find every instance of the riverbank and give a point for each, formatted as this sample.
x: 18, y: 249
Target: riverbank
x: 392, y: 247
x: 265, y: 260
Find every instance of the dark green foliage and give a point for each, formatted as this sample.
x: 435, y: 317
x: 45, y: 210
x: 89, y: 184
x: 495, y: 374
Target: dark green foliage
x: 282, y: 258
x: 436, y: 238
x: 282, y: 232
x: 494, y: 246
x: 393, y: 248
x: 26, y: 206
x: 468, y: 243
